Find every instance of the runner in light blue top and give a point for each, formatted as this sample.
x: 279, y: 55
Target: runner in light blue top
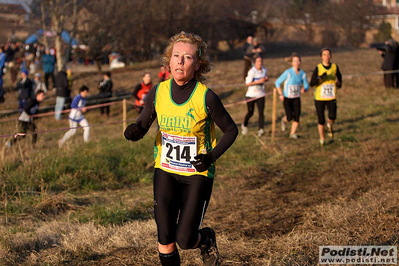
x: 292, y: 82
x: 295, y: 82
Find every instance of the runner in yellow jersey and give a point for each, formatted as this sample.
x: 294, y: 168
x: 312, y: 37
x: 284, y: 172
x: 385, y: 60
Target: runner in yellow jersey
x: 185, y: 149
x: 327, y: 78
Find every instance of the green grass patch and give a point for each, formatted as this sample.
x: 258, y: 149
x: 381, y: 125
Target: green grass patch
x: 113, y: 215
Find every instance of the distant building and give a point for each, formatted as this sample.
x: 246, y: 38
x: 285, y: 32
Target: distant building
x: 389, y: 14
x: 387, y: 3
x: 13, y: 19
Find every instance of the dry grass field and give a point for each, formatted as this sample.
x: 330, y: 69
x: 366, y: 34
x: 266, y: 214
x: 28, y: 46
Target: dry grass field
x: 272, y: 203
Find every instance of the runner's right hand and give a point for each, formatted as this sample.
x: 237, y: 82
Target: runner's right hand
x: 323, y: 76
x: 134, y: 132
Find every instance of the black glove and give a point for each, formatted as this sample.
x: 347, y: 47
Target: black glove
x: 203, y: 162
x: 134, y: 132
x: 323, y: 76
x: 338, y: 84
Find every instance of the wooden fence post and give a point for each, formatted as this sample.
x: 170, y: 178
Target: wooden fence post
x: 124, y: 115
x: 274, y: 114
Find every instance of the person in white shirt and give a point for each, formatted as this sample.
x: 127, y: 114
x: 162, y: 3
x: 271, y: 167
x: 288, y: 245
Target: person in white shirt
x: 255, y: 80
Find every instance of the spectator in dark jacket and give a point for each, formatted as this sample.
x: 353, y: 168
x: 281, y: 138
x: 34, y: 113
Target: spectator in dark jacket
x: 48, y: 61
x: 14, y: 62
x: 255, y: 50
x: 25, y: 90
x: 105, y: 88
x: 26, y: 121
x: 247, y: 58
x: 11, y: 50
x: 390, y: 63
x: 62, y: 92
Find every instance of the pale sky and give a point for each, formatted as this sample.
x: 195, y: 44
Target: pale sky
x: 24, y: 3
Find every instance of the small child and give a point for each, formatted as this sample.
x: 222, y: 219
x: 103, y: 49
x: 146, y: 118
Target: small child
x: 76, y: 117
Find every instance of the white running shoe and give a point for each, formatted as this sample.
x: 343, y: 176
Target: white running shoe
x: 283, y: 126
x: 261, y: 132
x: 244, y: 129
x: 294, y: 136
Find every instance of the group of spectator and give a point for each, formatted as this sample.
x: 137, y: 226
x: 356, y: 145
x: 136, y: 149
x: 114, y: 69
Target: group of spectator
x: 251, y: 50
x: 26, y: 58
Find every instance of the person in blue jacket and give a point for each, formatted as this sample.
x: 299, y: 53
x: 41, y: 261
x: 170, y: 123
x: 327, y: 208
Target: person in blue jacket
x: 76, y: 117
x: 48, y: 68
x: 2, y: 63
x: 294, y: 83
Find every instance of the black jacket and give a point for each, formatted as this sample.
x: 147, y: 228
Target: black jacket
x: 32, y: 106
x: 390, y: 55
x: 62, y: 85
x: 105, y: 88
x: 25, y: 89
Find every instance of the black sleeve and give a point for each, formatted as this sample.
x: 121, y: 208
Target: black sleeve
x: 314, y: 81
x: 244, y: 48
x: 339, y: 76
x: 29, y: 105
x: 136, y: 90
x: 110, y: 85
x: 29, y: 85
x: 224, y: 121
x: 65, y: 83
x: 148, y: 114
x: 107, y: 87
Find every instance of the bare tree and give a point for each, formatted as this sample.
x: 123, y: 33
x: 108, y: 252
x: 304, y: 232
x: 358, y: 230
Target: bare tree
x: 304, y: 14
x: 73, y: 30
x: 43, y: 21
x: 141, y: 28
x: 55, y: 15
x: 352, y: 19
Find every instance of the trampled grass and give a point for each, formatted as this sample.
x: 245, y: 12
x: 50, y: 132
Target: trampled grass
x: 272, y: 203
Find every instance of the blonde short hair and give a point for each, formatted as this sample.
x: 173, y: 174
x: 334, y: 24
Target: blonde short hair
x: 202, y: 52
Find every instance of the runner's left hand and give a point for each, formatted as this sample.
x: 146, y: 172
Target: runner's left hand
x: 203, y: 162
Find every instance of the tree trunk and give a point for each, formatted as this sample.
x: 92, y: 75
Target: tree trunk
x: 98, y: 65
x: 58, y: 47
x: 57, y: 21
x: 73, y: 31
x: 44, y: 24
